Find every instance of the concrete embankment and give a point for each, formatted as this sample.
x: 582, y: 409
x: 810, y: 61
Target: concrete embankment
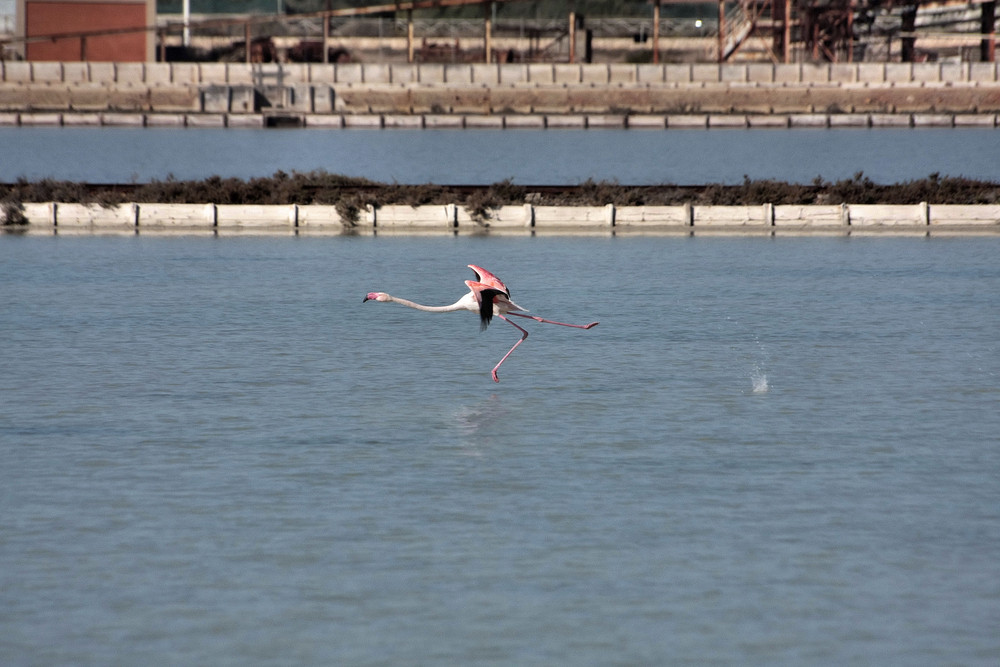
x: 767, y: 219
x: 500, y: 95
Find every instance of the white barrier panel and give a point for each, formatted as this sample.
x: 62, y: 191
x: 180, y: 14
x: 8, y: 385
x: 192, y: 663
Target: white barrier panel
x: 548, y: 217
x: 320, y: 217
x: 810, y: 216
x: 956, y: 214
x: 266, y: 215
x: 95, y: 215
x: 441, y: 216
x: 511, y: 217
x: 177, y: 215
x: 732, y: 216
x: 653, y: 216
x: 887, y: 215
x: 40, y: 214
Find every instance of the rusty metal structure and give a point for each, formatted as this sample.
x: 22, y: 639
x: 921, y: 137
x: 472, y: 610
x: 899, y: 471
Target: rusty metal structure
x: 828, y: 30
x: 807, y: 30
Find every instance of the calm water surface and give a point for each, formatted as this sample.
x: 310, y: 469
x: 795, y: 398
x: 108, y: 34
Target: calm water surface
x: 770, y: 451
x: 637, y: 157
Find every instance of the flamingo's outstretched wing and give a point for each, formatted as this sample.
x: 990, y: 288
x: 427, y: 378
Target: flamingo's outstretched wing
x: 486, y: 278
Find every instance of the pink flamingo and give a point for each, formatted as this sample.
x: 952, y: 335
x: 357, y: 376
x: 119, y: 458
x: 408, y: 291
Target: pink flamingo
x: 487, y: 296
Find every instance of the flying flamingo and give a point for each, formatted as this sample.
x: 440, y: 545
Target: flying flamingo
x: 487, y: 296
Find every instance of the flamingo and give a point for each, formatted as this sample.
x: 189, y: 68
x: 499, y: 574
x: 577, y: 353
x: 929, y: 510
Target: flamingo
x: 488, y: 296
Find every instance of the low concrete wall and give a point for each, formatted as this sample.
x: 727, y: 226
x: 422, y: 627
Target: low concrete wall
x: 163, y: 75
x: 572, y: 95
x: 503, y: 121
x: 766, y: 218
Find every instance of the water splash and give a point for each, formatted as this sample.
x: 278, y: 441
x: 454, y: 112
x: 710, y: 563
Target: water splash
x: 759, y: 382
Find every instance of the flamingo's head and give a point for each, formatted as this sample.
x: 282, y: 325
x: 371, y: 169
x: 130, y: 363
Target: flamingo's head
x: 376, y: 296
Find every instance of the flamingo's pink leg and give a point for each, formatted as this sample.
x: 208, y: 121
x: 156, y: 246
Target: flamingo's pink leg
x: 562, y: 324
x: 524, y: 334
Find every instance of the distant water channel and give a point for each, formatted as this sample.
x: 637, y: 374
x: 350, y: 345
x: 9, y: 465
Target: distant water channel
x: 632, y: 157
x: 769, y: 452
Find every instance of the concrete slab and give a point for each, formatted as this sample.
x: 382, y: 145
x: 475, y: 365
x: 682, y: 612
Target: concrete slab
x: 76, y: 72
x: 727, y: 120
x: 122, y: 119
x: 933, y: 120
x: 808, y: 120
x: 733, y: 73
x: 596, y: 74
x: 732, y: 216
x: 484, y: 121
x: 843, y: 72
x: 376, y: 73
x: 767, y: 120
x: 321, y: 73
x: 787, y: 73
x: 652, y: 74
x: 891, y: 120
x: 687, y: 121
x: 96, y: 215
x: 652, y: 216
x: 176, y: 215
x: 132, y: 74
x: 184, y: 73
x: 705, y: 73
x: 240, y: 73
x: 363, y: 120
x: 246, y: 215
x: 677, y: 74
x: 563, y: 121
x: 205, y: 120
x: 81, y: 119
x: 485, y: 74
x: 245, y: 120
x: 107, y: 73
x: 885, y: 215
x: 319, y: 217
x: 38, y: 119
x: 432, y: 73
x: 329, y: 121
x: 814, y: 73
x: 929, y: 72
x: 955, y: 214
x: 975, y: 120
x: 403, y: 121
x: 165, y: 120
x: 16, y: 71
x: 622, y: 73
x: 458, y: 74
x: 605, y: 121
x: 760, y: 73
x: 647, y: 121
x: 524, y: 121
x: 440, y: 121
x: 47, y: 72
x: 898, y: 72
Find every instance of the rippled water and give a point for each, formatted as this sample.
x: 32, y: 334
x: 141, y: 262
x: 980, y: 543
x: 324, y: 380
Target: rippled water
x: 769, y: 451
x: 634, y: 157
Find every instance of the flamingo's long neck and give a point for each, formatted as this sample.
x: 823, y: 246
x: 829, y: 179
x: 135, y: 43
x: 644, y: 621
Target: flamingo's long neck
x: 458, y: 305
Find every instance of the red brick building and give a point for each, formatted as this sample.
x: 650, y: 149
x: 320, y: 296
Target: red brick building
x: 66, y: 17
